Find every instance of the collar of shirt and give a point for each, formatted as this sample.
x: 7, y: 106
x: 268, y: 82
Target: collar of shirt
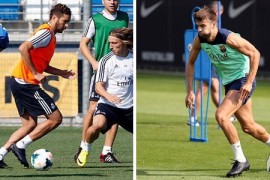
x: 109, y: 16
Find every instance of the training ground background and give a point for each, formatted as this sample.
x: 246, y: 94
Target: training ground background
x: 163, y: 147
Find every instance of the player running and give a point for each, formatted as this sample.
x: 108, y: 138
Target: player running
x: 236, y: 61
x: 114, y: 83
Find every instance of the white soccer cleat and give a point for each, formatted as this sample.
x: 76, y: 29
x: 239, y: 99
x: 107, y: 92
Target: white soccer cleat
x: 192, y: 123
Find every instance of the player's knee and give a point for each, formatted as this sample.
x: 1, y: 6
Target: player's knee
x: 31, y: 125
x: 220, y: 117
x: 57, y: 120
x: 98, y: 125
x: 248, y: 130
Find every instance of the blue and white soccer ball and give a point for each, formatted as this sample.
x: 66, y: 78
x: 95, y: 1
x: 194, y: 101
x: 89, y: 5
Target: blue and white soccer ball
x: 42, y: 159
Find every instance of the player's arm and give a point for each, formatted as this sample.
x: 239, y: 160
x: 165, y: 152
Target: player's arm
x: 88, y: 33
x: 87, y: 53
x: 24, y: 50
x: 67, y: 74
x: 196, y: 47
x: 237, y: 42
x: 100, y: 89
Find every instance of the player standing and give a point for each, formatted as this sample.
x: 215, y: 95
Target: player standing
x: 97, y: 30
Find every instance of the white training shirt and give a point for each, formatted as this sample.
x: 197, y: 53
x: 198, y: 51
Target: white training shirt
x: 89, y: 30
x: 117, y: 74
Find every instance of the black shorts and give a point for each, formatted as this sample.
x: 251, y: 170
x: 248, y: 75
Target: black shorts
x: 93, y: 95
x: 32, y: 99
x: 114, y: 115
x: 237, y: 84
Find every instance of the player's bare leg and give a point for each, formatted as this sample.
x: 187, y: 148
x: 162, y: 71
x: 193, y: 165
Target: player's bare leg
x: 229, y: 106
x: 33, y: 132
x: 52, y: 122
x: 107, y: 156
x: 28, y: 124
x: 88, y: 118
x: 215, y: 91
x: 248, y: 125
x: 91, y: 135
x: 87, y: 122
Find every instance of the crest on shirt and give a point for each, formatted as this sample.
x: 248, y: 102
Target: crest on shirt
x: 52, y: 106
x: 222, y: 48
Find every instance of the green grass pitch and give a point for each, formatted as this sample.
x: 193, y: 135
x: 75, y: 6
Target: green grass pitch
x: 163, y: 147
x: 63, y: 142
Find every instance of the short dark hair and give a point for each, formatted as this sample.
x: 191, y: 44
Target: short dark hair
x: 125, y: 34
x: 60, y: 9
x: 205, y: 13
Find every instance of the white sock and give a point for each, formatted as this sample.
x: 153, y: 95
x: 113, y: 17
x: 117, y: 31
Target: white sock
x: 106, y: 150
x: 24, y: 142
x: 87, y: 146
x: 238, y: 152
x: 268, y: 142
x: 3, y: 153
x: 192, y: 119
x: 82, y: 144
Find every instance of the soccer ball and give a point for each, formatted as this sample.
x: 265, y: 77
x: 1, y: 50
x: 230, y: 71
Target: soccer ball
x: 42, y: 160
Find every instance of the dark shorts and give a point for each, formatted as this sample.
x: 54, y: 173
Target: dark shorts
x: 32, y: 99
x: 237, y: 84
x: 93, y: 95
x: 114, y: 115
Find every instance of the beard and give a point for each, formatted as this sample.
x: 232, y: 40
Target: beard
x: 59, y: 28
x: 204, y: 36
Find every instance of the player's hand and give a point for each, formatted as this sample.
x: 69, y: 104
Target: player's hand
x: 68, y: 74
x: 190, y: 99
x: 40, y: 77
x: 245, y: 90
x: 95, y: 65
x: 114, y: 99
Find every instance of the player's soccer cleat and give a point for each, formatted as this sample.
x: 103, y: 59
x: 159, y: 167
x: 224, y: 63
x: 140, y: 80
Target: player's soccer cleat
x: 192, y: 123
x: 108, y: 158
x: 82, y: 158
x: 20, y: 154
x: 238, y: 168
x: 77, y: 154
x: 2, y: 164
x: 268, y: 164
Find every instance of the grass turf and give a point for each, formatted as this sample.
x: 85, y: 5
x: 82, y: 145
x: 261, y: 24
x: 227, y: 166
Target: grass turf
x: 163, y: 147
x: 63, y: 143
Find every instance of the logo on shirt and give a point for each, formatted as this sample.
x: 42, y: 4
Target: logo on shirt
x: 128, y: 82
x: 222, y: 48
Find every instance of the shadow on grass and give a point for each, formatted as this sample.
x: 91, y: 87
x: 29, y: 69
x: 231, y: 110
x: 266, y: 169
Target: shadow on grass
x: 188, y: 172
x: 52, y: 175
x: 95, y: 167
